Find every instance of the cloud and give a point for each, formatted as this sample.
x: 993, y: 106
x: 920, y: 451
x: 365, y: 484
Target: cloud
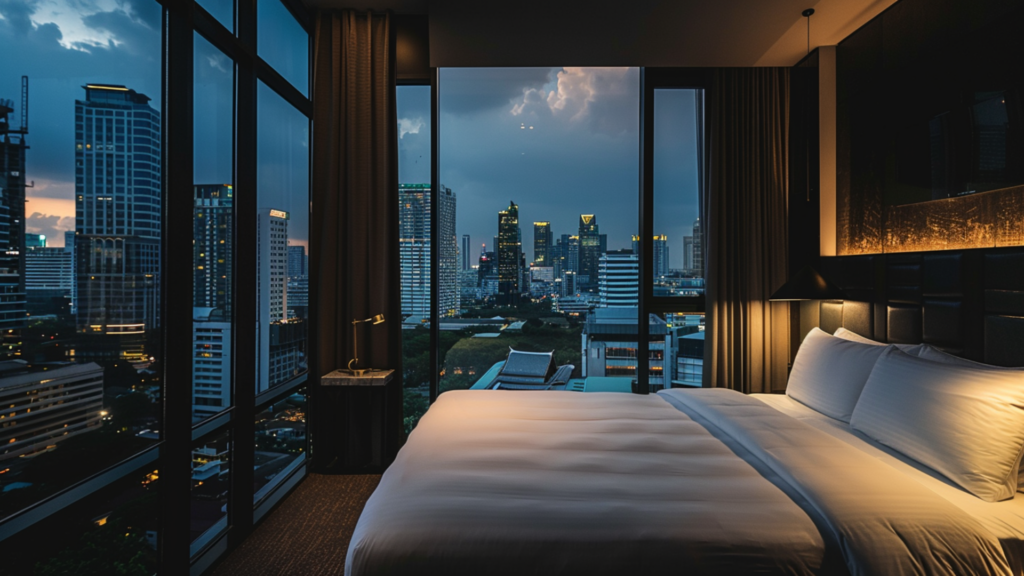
x: 409, y: 126
x: 469, y: 91
x: 50, y: 225
x: 603, y: 99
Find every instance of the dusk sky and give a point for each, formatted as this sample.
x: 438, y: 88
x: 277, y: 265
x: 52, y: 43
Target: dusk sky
x: 64, y: 44
x: 580, y: 157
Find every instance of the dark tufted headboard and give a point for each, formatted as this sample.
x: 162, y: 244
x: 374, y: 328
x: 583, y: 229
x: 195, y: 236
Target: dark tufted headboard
x: 969, y: 302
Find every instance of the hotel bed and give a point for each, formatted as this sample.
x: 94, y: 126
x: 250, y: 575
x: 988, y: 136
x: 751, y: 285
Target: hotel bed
x: 705, y: 481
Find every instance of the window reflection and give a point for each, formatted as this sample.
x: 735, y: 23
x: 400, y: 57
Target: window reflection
x: 280, y: 441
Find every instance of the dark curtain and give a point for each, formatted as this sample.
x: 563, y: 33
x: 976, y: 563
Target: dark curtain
x: 747, y: 337
x: 355, y: 224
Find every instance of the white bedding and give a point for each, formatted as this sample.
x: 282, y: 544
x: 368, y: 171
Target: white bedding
x: 1005, y: 520
x: 494, y: 482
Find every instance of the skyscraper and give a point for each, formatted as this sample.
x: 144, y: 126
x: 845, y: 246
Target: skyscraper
x: 590, y: 250
x: 213, y: 246
x: 12, y: 229
x: 448, y: 294
x: 510, y: 255
x: 117, y: 221
x: 414, y: 248
x: 276, y: 361
x: 543, y: 249
x: 688, y: 253
x: 698, y: 249
x: 49, y: 278
x: 464, y: 253
x: 414, y: 207
x: 213, y: 249
x: 660, y: 257
x: 298, y: 261
x: 619, y: 279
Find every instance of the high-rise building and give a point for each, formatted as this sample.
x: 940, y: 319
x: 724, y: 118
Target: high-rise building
x: 610, y: 346
x: 448, y: 294
x: 414, y: 248
x: 464, y: 258
x: 660, y: 258
x: 12, y: 228
x: 590, y: 248
x: 117, y: 222
x: 414, y: 251
x: 298, y: 261
x: 213, y: 246
x: 272, y: 288
x: 49, y: 278
x: 543, y: 249
x: 510, y: 255
x: 33, y: 241
x: 213, y: 249
x: 619, y: 279
x: 298, y: 297
x: 687, y: 253
x: 698, y: 250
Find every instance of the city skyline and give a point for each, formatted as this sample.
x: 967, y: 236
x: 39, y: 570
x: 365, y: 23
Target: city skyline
x: 580, y: 156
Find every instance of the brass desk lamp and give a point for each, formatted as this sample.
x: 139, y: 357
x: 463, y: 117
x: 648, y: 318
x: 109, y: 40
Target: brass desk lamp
x: 378, y: 319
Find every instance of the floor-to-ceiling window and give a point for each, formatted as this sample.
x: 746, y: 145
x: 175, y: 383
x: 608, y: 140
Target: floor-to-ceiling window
x: 139, y: 146
x: 536, y: 217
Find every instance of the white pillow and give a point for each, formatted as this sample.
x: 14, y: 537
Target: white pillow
x: 829, y: 373
x: 912, y: 349
x: 936, y: 355
x: 965, y: 423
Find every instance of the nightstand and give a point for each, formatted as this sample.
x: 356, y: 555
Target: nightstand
x: 366, y: 416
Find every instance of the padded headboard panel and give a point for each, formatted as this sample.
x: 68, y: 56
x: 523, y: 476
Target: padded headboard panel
x: 969, y: 303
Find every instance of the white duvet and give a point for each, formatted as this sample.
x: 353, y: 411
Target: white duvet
x: 696, y: 482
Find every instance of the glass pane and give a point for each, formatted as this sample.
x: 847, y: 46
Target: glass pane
x: 544, y: 164
x: 80, y: 308
x: 280, y: 442
x: 211, y: 480
x: 414, y: 158
x: 283, y: 43
x: 222, y: 10
x: 113, y: 531
x: 213, y: 225
x: 678, y: 257
x: 282, y: 155
x: 687, y: 348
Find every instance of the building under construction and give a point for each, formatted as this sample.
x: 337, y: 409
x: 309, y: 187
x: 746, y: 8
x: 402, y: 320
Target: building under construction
x: 12, y: 224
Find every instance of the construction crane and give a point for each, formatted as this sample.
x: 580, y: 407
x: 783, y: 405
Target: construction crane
x: 7, y: 109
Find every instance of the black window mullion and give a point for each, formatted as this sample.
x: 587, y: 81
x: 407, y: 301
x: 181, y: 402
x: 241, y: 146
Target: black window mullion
x: 245, y: 297
x: 435, y: 328
x: 175, y: 459
x: 645, y: 225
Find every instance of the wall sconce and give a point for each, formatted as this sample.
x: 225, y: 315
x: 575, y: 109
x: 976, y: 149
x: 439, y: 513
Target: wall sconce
x: 807, y: 284
x: 378, y: 319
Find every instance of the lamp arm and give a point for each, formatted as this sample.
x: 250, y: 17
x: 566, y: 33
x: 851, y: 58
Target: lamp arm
x: 355, y: 347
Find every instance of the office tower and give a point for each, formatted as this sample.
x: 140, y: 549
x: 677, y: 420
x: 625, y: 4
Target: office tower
x: 49, y: 278
x: 298, y: 297
x: 487, y: 274
x: 117, y: 221
x: 542, y: 280
x: 69, y: 245
x: 213, y: 246
x: 659, y: 261
x: 610, y: 346
x: 619, y: 279
x: 510, y: 255
x: 542, y: 246
x: 212, y: 253
x: 494, y: 245
x: 687, y: 253
x: 298, y: 261
x: 33, y: 241
x: 698, y: 253
x: 12, y: 226
x: 447, y: 256
x: 45, y: 408
x: 414, y: 248
x: 464, y: 253
x: 279, y: 345
x: 589, y: 251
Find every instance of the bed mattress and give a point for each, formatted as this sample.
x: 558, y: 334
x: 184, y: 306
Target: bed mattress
x: 495, y: 482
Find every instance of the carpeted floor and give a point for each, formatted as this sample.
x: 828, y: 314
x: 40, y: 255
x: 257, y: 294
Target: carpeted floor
x: 308, y: 533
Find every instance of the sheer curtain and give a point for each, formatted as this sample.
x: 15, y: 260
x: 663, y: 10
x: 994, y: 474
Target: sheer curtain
x: 355, y: 213
x: 747, y: 337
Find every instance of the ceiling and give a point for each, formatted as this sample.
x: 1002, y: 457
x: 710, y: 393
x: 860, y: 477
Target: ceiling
x: 636, y: 33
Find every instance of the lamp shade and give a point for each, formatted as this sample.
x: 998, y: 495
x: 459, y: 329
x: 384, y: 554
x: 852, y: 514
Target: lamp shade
x: 807, y: 284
